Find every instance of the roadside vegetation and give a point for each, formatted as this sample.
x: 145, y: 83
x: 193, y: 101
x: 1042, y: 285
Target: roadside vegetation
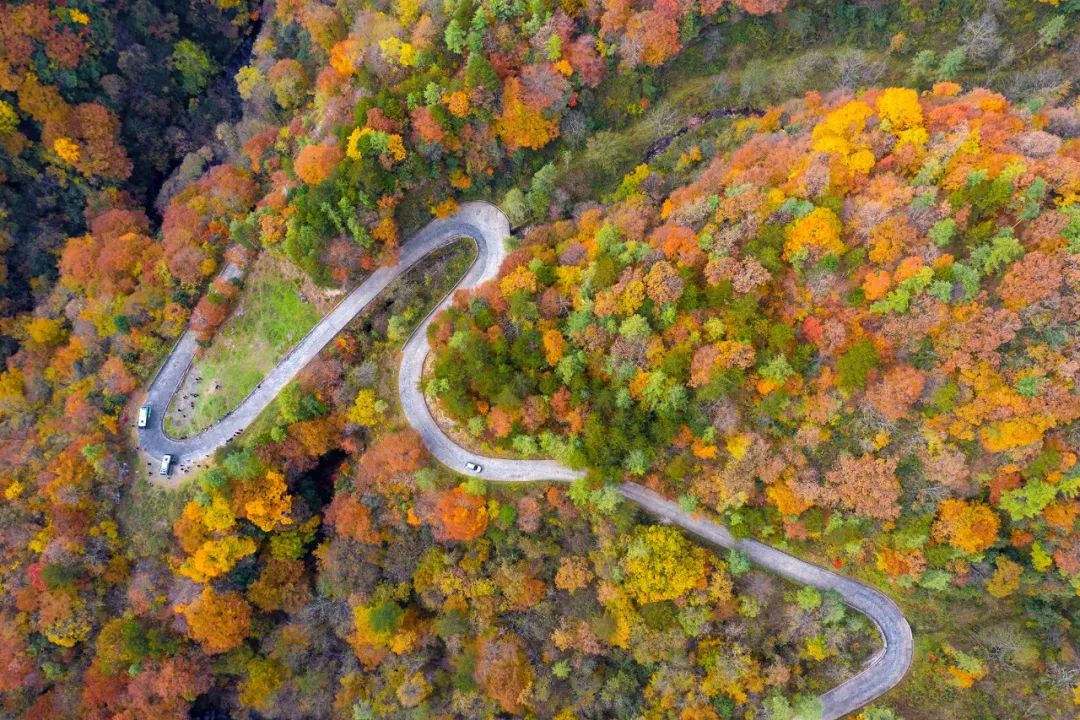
x: 272, y: 313
x: 372, y: 341
x: 845, y: 324
x: 850, y: 335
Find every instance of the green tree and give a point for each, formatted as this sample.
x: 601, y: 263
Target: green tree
x: 194, y: 66
x: 538, y: 199
x: 513, y: 205
x: 856, y: 363
x: 951, y: 64
x: 385, y: 618
x: 808, y: 598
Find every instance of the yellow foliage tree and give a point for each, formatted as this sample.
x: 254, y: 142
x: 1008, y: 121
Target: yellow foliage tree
x: 9, y: 119
x: 521, y: 126
x: 396, y: 147
x: 264, y: 677
x: 661, y: 564
x: 969, y: 526
x: 407, y: 11
x: 367, y: 408
x: 214, y: 558
x: 841, y: 135
x: 737, y: 445
x: 67, y: 150
x: 900, y: 108
x: 834, y: 134
x: 518, y: 279
x: 730, y: 669
x: 270, y: 507
x: 218, y: 515
x: 1006, y: 578
x: 819, y: 229
x: 395, y: 50
x: 45, y: 331
x: 1017, y: 432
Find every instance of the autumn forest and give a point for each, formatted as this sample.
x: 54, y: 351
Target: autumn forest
x: 808, y: 269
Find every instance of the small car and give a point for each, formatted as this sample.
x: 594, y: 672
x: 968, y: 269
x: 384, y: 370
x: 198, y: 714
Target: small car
x: 473, y: 467
x: 166, y: 465
x: 144, y: 415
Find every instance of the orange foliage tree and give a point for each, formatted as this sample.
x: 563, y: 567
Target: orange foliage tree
x: 522, y: 126
x: 969, y: 526
x: 503, y: 671
x: 459, y: 515
x: 316, y: 162
x: 219, y: 621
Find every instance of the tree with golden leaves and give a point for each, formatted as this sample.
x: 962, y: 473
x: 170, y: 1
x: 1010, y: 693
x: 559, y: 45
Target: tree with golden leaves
x: 217, y: 621
x: 522, y: 126
x: 214, y: 558
x: 662, y: 564
x: 265, y: 502
x: 969, y: 526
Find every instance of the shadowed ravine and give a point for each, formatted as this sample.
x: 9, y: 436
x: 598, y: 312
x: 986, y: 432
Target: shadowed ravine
x: 489, y: 228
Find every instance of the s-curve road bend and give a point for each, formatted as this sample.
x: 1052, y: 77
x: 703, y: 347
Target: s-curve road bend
x: 489, y: 228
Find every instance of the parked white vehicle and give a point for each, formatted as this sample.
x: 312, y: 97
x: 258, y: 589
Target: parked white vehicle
x: 166, y: 465
x: 144, y: 415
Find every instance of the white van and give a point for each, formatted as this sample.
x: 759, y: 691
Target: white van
x: 144, y: 415
x: 166, y: 465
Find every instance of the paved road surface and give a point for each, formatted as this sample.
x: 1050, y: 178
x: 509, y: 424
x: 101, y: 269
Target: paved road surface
x: 884, y: 670
x: 489, y: 228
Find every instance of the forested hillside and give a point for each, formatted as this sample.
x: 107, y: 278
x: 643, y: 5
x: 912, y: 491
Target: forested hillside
x: 845, y: 323
x: 99, y: 102
x: 860, y: 323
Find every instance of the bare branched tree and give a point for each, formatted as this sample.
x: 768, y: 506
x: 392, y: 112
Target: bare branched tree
x: 980, y: 38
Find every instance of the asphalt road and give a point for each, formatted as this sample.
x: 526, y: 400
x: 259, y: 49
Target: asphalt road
x: 883, y: 671
x: 488, y: 227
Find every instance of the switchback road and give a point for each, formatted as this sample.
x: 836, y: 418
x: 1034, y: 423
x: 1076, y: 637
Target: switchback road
x: 488, y: 227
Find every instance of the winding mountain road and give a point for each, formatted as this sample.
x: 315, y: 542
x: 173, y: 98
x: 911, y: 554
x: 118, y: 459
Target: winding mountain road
x: 489, y: 228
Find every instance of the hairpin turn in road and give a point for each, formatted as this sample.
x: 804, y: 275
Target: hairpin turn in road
x: 489, y: 228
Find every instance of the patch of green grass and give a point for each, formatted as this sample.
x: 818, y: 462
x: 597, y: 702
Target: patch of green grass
x: 248, y: 345
x: 146, y: 514
x: 408, y: 300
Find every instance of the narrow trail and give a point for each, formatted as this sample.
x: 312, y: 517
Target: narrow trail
x: 489, y: 228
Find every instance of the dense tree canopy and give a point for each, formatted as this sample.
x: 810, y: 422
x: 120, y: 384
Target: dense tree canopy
x: 890, y: 279
x: 846, y: 323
